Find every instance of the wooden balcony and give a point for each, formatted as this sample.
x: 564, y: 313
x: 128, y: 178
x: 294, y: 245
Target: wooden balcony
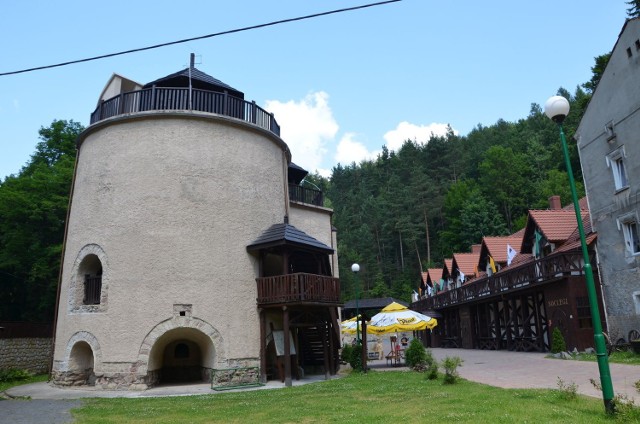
x: 530, y: 274
x: 305, y: 195
x: 162, y: 98
x: 298, y: 288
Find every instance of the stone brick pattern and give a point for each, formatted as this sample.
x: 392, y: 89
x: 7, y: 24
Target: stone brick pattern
x: 32, y: 354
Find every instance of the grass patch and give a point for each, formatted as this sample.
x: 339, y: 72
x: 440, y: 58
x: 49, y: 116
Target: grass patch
x: 624, y: 357
x: 4, y: 385
x: 390, y: 396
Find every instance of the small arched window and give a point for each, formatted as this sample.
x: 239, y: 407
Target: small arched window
x: 91, y: 268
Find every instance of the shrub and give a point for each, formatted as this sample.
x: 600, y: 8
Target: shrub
x: 557, y: 341
x: 450, y: 365
x: 353, y: 356
x: 13, y: 374
x: 415, y: 355
x: 345, y: 355
x: 432, y: 371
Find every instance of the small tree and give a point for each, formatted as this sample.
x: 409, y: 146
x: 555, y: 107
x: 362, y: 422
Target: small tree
x: 557, y: 341
x: 415, y: 355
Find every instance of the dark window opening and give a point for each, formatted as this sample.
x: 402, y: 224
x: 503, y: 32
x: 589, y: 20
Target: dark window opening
x: 629, y: 54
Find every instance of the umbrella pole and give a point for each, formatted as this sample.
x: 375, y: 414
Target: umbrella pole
x: 365, y: 355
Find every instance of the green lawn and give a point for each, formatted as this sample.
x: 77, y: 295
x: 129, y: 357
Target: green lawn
x: 376, y: 397
x: 624, y: 357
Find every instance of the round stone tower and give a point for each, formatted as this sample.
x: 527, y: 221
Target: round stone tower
x: 173, y: 181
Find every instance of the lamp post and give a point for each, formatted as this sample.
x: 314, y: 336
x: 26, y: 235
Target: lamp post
x: 356, y: 268
x: 557, y: 108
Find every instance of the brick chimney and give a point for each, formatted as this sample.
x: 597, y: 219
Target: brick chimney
x: 554, y: 203
x: 476, y: 248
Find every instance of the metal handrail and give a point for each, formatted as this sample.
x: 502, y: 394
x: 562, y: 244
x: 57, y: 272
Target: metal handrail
x: 163, y: 98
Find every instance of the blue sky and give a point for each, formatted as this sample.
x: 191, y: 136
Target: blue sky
x: 341, y: 86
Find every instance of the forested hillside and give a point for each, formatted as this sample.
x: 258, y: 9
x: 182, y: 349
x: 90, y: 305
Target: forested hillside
x: 408, y: 210
x: 33, y: 211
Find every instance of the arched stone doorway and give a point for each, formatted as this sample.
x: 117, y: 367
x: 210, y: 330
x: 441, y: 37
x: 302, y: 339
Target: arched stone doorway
x: 181, y: 355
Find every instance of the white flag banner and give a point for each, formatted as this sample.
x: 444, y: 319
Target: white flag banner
x: 461, y: 275
x: 511, y: 253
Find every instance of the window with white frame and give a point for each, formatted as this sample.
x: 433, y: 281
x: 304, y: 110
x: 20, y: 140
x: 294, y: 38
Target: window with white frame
x: 616, y: 161
x: 629, y: 226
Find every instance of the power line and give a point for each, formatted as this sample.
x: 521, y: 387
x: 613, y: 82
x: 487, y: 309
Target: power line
x: 283, y: 21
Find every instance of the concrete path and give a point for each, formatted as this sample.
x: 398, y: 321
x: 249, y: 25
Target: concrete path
x: 534, y: 370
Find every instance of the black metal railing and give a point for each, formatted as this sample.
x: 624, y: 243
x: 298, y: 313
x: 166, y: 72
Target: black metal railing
x: 162, y: 98
x: 92, y: 289
x: 305, y: 195
x: 530, y: 274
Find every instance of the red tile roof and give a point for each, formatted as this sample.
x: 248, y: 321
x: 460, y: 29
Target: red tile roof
x: 447, y: 264
x: 467, y: 263
x: 497, y: 246
x: 435, y: 274
x: 556, y: 225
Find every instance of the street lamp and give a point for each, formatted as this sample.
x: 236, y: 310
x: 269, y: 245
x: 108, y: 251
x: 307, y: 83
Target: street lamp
x: 356, y: 268
x: 557, y: 108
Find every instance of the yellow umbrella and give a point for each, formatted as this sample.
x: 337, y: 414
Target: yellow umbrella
x: 398, y: 318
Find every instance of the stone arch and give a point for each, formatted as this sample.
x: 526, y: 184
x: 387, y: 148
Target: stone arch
x: 198, y: 334
x: 81, y: 358
x: 89, y: 259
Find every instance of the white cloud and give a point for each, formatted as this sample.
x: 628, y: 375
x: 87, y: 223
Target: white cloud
x: 307, y: 126
x: 350, y: 150
x: 408, y: 131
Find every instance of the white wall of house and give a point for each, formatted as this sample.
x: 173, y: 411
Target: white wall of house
x: 608, y: 132
x: 316, y: 221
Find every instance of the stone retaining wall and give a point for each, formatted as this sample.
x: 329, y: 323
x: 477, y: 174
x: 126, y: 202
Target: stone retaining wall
x: 32, y: 354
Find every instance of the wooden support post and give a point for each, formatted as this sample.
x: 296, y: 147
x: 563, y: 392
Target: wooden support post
x: 332, y: 348
x: 287, y: 347
x: 325, y: 347
x: 263, y: 346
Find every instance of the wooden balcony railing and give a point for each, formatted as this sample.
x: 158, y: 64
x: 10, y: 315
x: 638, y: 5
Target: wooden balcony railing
x: 299, y: 287
x: 162, y: 98
x: 530, y: 274
x: 305, y: 195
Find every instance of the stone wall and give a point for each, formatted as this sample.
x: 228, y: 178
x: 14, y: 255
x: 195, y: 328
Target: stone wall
x: 32, y: 354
